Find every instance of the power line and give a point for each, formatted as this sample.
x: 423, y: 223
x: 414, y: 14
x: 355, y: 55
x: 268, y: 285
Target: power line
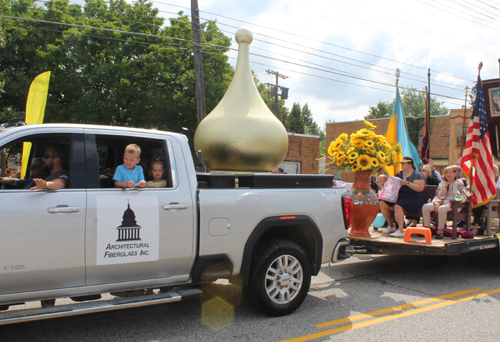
x: 188, y: 41
x: 336, y: 60
x: 93, y: 27
x: 310, y: 39
x: 326, y: 43
x: 457, y: 15
x: 437, y: 83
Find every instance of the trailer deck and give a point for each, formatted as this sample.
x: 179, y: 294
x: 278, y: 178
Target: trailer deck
x: 382, y: 244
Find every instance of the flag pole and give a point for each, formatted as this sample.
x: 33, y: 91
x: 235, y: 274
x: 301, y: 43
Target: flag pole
x: 428, y: 124
x: 474, y: 157
x: 463, y: 138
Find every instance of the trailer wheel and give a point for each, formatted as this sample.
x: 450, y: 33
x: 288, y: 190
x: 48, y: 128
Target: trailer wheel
x: 280, y: 277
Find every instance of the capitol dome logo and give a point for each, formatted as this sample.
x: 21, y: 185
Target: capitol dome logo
x: 129, y: 230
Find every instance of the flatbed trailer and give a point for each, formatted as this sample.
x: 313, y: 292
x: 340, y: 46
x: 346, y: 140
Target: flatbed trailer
x: 382, y: 244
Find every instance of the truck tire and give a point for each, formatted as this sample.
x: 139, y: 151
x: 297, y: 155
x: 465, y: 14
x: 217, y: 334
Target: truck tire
x: 279, y: 278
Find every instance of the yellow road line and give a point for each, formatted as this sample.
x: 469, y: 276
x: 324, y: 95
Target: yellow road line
x: 389, y: 317
x: 394, y: 308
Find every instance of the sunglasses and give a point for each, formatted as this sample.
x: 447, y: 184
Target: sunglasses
x: 47, y: 156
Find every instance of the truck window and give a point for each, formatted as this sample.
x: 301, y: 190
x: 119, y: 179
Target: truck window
x: 110, y: 151
x: 32, y: 149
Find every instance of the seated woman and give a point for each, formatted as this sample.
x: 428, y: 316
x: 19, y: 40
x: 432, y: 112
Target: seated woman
x: 409, y: 198
x: 446, y: 192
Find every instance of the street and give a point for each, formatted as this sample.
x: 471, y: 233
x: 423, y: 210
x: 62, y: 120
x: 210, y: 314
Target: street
x: 467, y: 308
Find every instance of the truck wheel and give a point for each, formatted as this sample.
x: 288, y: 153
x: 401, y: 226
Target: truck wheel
x: 279, y: 278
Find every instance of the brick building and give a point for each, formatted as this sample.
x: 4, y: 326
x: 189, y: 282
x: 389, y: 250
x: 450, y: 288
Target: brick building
x: 302, y: 155
x: 445, y: 139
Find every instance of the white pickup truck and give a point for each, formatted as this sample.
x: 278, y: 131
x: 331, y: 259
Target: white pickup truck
x: 91, y: 238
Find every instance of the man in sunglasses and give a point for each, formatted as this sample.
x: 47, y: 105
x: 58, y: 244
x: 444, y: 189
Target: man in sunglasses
x: 54, y: 161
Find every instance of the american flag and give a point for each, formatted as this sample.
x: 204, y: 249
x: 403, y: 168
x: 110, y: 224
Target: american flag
x: 477, y: 162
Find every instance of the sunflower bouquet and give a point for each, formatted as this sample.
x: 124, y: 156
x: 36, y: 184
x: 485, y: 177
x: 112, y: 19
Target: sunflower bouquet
x: 364, y: 151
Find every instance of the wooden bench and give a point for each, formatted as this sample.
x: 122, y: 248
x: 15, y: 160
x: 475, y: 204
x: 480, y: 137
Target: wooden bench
x: 492, y: 211
x: 454, y: 215
x: 428, y: 194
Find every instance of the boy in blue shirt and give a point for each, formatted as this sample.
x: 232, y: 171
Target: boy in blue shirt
x: 129, y: 174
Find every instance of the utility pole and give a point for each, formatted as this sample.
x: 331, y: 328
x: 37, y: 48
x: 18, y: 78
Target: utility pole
x: 198, y: 61
x: 284, y: 91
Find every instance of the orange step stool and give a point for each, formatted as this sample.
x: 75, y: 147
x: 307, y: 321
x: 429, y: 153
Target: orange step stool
x: 415, y: 230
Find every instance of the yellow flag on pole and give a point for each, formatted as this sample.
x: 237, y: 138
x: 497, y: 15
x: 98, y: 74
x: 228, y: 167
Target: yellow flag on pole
x: 35, y: 110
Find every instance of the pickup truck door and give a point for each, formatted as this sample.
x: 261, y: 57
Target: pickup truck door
x: 138, y: 234
x: 41, y: 231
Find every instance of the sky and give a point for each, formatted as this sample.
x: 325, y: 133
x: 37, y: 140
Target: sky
x: 340, y: 57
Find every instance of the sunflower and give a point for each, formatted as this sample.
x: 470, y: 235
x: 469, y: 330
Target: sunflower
x: 332, y: 149
x: 363, y: 150
x: 369, y: 124
x: 364, y: 162
x: 335, y: 146
x: 358, y: 143
x: 394, y: 157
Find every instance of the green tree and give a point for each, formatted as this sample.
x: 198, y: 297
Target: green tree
x: 110, y: 77
x: 413, y: 102
x: 381, y: 110
x: 296, y: 120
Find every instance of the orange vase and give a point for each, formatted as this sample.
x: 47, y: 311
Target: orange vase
x: 365, y: 204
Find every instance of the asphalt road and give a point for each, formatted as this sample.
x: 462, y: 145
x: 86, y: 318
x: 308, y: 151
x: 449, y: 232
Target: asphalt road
x: 363, y: 284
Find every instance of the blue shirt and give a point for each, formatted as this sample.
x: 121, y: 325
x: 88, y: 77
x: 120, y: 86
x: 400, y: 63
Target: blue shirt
x: 122, y: 174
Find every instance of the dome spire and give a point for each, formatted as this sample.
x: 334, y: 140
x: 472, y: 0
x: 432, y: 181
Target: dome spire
x: 241, y: 133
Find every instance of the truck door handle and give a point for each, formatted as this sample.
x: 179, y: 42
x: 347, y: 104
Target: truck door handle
x: 63, y: 209
x: 175, y: 206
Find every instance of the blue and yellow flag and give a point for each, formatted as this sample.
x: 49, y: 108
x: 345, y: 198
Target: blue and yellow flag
x: 35, y: 110
x: 398, y: 132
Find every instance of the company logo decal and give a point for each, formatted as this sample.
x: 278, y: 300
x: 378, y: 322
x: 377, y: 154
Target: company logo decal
x: 129, y: 241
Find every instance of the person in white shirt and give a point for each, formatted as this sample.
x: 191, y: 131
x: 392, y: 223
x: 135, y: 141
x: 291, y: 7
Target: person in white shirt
x: 497, y: 177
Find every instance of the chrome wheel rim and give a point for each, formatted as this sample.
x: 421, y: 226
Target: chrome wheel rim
x: 284, y: 279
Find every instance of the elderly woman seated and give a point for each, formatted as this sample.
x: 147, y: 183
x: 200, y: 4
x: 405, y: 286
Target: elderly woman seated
x: 409, y: 199
x: 446, y: 192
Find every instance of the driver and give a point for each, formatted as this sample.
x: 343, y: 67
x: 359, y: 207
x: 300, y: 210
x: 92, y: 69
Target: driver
x: 54, y: 161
